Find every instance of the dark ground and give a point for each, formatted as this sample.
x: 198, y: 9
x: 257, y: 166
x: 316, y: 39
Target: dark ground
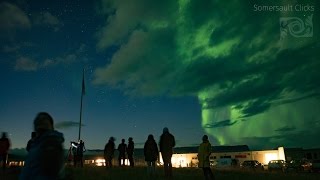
x: 139, y: 173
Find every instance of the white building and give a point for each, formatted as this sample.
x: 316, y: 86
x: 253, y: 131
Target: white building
x: 225, y: 158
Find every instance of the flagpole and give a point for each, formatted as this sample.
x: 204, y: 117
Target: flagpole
x: 82, y: 93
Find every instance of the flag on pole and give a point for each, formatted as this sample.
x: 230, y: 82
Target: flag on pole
x: 83, y: 84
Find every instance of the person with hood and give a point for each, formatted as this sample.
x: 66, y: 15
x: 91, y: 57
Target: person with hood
x: 130, y: 150
x: 45, y: 159
x: 151, y: 154
x: 166, y: 144
x: 204, y: 152
x: 109, y: 149
x: 4, y: 149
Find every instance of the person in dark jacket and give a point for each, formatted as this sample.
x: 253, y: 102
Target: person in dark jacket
x: 45, y: 159
x: 33, y: 136
x: 122, y: 148
x: 151, y: 154
x: 109, y: 149
x: 4, y: 149
x: 167, y: 142
x: 130, y: 150
x: 204, y: 152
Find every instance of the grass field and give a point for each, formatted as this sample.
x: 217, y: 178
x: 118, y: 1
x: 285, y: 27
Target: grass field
x: 139, y: 173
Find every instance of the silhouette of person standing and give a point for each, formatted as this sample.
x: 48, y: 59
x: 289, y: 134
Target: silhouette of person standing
x: 204, y: 152
x: 45, y: 159
x: 70, y: 156
x: 151, y: 154
x: 80, y: 150
x: 109, y: 149
x: 130, y: 150
x: 122, y: 148
x: 74, y: 151
x: 167, y: 142
x: 4, y: 149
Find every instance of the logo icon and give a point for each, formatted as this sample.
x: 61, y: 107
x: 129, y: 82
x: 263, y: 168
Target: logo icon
x: 296, y: 27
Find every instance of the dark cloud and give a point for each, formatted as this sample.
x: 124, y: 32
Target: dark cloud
x: 67, y: 124
x: 254, y: 108
x: 286, y: 129
x: 224, y: 123
x: 296, y: 99
x: 291, y: 140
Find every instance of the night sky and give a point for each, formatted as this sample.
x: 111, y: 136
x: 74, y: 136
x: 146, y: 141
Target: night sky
x: 243, y: 72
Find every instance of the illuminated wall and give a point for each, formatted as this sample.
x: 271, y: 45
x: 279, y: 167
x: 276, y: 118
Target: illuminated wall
x: 182, y: 160
x: 262, y: 156
x: 191, y: 160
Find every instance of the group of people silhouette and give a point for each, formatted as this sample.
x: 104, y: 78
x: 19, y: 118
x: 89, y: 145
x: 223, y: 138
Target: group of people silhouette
x: 45, y: 159
x: 123, y: 149
x: 75, y: 153
x: 151, y: 152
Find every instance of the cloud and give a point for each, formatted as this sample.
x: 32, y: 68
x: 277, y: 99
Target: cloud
x: 26, y: 64
x: 223, y: 123
x: 291, y: 140
x: 68, y: 58
x: 15, y: 47
x: 235, y: 64
x: 67, y: 124
x: 30, y: 64
x: 125, y: 16
x: 47, y: 19
x: 61, y: 60
x: 131, y: 58
x: 187, y: 52
x: 12, y: 18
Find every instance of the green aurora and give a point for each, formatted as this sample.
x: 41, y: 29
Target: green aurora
x: 254, y: 88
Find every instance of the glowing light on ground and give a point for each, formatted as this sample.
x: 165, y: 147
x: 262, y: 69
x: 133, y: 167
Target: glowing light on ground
x: 100, y: 162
